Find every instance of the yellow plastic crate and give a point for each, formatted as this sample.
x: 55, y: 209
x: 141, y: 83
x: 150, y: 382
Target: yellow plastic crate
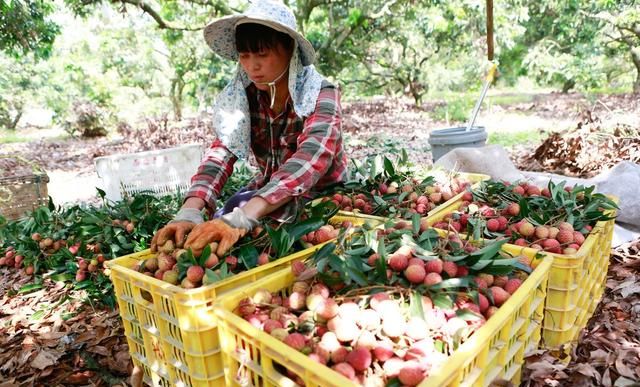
x: 474, y: 178
x: 495, y: 351
x: 576, y: 282
x: 172, y: 332
x: 576, y: 285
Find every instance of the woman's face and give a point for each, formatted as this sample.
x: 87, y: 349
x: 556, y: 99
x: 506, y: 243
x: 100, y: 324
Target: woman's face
x: 266, y: 65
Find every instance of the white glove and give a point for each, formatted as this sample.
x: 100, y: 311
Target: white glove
x: 238, y: 219
x: 188, y: 215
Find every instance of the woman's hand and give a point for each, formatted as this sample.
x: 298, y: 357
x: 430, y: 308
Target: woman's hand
x: 213, y: 231
x: 175, y: 231
x: 185, y: 220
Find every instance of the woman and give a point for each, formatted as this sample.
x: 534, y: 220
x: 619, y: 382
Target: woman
x: 279, y: 110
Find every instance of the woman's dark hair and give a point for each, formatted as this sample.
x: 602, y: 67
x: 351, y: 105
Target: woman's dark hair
x: 253, y: 37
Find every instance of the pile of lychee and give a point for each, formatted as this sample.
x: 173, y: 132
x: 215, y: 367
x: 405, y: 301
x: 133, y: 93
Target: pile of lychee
x: 164, y: 266
x: 127, y: 225
x: 11, y: 258
x: 323, y: 234
x: 558, y: 237
x: 373, y: 339
x: 372, y: 334
x: 406, y: 198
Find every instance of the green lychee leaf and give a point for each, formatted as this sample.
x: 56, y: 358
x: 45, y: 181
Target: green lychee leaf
x: 395, y: 382
x: 415, y: 223
x: 415, y: 305
x: 489, y: 250
x: 468, y: 315
x: 356, y: 275
x: 381, y: 270
x: 248, y: 255
x: 453, y: 283
x: 442, y: 300
x: 206, y: 253
x: 297, y: 230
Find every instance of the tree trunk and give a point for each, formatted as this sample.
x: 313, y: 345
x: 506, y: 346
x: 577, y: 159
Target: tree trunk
x: 177, y: 87
x: 568, y: 85
x: 635, y: 57
x: 14, y: 122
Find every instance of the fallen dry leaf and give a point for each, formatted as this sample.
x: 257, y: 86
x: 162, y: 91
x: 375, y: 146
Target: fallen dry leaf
x: 45, y: 359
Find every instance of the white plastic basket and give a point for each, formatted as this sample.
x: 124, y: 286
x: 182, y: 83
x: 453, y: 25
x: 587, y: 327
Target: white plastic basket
x: 162, y: 171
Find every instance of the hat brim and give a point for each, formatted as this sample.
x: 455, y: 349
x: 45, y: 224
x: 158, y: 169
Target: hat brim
x: 220, y: 35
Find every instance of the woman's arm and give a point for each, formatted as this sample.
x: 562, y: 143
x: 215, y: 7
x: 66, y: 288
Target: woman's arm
x: 213, y: 172
x: 317, y: 146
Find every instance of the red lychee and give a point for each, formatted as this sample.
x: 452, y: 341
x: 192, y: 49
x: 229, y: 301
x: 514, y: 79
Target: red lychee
x: 415, y: 274
x: 450, y: 268
x: 499, y: 295
x: 195, y: 274
x: 398, y: 262
x: 526, y: 229
x: 512, y: 285
x: 345, y: 369
x: 411, y: 373
x: 359, y: 359
x: 432, y: 279
x: 295, y: 341
x: 493, y: 225
x: 434, y: 266
x: 565, y: 236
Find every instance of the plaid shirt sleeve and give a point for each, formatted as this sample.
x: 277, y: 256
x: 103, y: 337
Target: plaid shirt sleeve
x: 317, y: 146
x: 213, y: 172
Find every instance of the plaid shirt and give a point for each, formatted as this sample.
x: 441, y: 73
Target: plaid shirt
x: 295, y: 156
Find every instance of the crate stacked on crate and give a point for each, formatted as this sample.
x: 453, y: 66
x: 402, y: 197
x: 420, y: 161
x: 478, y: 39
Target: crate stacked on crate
x: 543, y: 219
x: 23, y: 186
x: 171, y: 329
x: 292, y: 329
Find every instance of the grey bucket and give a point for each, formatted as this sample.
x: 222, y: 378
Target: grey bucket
x: 444, y: 140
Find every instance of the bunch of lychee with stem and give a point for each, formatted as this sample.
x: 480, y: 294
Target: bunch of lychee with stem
x: 496, y: 212
x: 398, y: 198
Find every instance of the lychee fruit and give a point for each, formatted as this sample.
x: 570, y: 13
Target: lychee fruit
x: 195, y: 274
x: 500, y: 280
x: 499, y: 295
x: 565, y: 236
x: 295, y: 340
x: 339, y: 355
x: 415, y: 274
x: 359, y: 359
x: 493, y: 225
x: 263, y: 259
x: 170, y: 276
x: 450, y: 268
x: 376, y: 299
x: 187, y: 284
x: 434, y: 266
x: 512, y: 285
x: 383, y: 350
x: 542, y: 232
x: 270, y: 325
x: 345, y: 369
x: 411, y: 373
x: 398, y: 262
x: 578, y: 238
x: 526, y: 229
x: 392, y: 367
x: 432, y: 279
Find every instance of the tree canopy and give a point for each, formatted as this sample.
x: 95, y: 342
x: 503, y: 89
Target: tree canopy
x: 153, y: 49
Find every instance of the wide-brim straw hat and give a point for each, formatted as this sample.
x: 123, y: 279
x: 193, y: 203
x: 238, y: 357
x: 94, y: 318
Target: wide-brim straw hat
x: 220, y: 34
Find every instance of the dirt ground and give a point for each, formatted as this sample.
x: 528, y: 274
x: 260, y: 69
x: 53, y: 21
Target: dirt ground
x: 372, y: 126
